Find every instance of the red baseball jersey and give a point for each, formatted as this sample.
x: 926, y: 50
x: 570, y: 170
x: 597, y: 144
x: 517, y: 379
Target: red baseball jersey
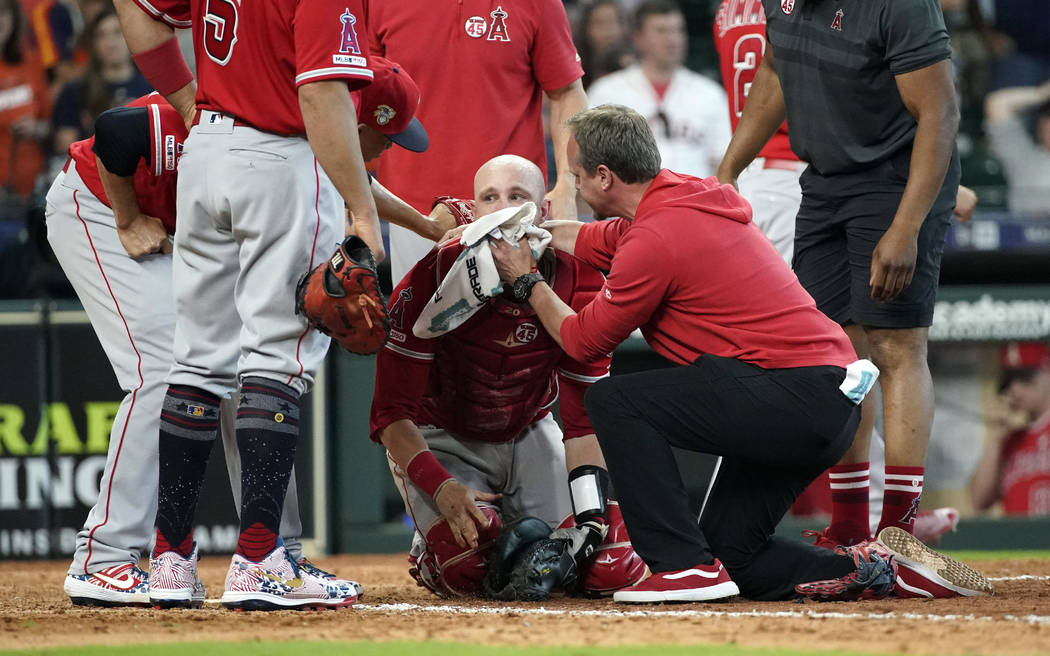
x: 494, y: 375
x: 481, y: 67
x: 154, y: 179
x: 740, y: 38
x: 698, y: 276
x: 1025, y: 480
x: 251, y: 59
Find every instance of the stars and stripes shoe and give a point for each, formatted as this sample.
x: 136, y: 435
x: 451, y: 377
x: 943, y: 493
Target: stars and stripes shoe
x: 306, y: 566
x: 174, y: 582
x: 923, y: 572
x: 119, y: 585
x: 278, y: 583
x: 873, y: 577
x: 931, y: 525
x: 699, y: 583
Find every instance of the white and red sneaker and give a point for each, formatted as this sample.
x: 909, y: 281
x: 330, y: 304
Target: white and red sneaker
x: 923, y: 572
x: 174, y: 582
x: 698, y: 583
x: 119, y: 585
x: 931, y: 525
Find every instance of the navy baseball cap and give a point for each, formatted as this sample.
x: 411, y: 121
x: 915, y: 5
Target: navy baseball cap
x: 388, y: 104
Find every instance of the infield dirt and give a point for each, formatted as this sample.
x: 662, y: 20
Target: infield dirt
x: 34, y: 612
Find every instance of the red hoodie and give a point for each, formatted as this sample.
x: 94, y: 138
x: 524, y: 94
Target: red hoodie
x: 697, y: 276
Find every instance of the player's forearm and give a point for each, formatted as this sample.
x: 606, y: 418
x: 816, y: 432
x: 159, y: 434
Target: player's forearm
x: 551, y: 310
x: 563, y: 234
x: 403, y: 441
x: 396, y: 211
x: 763, y: 113
x: 937, y: 114
x: 120, y: 191
x: 565, y: 103
x: 331, y: 126
x: 583, y: 450
x: 152, y: 44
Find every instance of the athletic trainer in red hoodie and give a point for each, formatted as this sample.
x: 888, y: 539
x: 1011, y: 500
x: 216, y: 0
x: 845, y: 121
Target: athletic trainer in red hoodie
x: 765, y: 379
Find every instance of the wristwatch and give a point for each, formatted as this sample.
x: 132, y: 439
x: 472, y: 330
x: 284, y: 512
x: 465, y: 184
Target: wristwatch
x: 522, y: 287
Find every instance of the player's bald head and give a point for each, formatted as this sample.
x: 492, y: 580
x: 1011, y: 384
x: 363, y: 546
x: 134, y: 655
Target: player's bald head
x: 507, y: 180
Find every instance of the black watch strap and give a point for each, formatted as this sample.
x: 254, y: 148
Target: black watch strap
x: 523, y: 285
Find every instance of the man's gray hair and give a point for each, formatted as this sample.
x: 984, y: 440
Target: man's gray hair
x: 619, y: 138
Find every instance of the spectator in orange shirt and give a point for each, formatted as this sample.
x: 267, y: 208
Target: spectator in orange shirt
x: 24, y: 106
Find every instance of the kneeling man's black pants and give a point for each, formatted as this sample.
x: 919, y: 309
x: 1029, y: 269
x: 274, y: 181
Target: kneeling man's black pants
x: 777, y: 430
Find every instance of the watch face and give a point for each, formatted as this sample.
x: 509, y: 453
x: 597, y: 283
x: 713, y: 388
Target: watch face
x: 523, y: 285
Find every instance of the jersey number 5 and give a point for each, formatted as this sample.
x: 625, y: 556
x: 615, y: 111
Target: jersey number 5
x: 220, y: 30
x: 747, y: 53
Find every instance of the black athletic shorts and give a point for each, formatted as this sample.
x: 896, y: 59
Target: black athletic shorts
x: 842, y: 219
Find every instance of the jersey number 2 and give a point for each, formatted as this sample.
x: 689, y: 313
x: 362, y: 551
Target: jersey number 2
x: 747, y: 53
x: 220, y: 30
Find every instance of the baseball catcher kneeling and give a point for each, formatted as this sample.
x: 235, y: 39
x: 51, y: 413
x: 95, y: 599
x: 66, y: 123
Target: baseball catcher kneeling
x: 504, y: 501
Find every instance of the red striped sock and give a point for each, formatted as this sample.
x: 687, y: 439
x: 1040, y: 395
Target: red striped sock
x: 849, y: 503
x: 184, y: 548
x: 256, y: 542
x: 900, y: 501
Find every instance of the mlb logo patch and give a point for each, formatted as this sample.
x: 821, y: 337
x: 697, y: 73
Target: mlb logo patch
x: 170, y: 152
x: 195, y: 410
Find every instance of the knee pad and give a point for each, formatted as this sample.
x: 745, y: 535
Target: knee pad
x: 614, y: 563
x: 449, y: 570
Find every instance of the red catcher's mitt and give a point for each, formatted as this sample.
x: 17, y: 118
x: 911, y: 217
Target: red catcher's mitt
x: 341, y: 298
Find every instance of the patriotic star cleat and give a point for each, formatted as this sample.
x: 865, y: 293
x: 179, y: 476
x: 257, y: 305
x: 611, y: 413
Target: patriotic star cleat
x: 119, y: 585
x: 174, y: 580
x: 308, y: 567
x: 278, y: 583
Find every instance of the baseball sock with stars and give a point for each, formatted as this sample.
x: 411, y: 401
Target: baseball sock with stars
x: 189, y: 423
x: 267, y: 431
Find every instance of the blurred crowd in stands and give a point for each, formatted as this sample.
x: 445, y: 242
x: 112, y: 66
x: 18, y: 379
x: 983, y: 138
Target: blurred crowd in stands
x: 65, y: 61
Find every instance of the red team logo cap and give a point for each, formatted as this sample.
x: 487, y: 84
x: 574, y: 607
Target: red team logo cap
x: 1020, y: 361
x: 388, y: 104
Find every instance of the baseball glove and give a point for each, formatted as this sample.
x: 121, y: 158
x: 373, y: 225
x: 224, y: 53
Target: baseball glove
x: 341, y: 298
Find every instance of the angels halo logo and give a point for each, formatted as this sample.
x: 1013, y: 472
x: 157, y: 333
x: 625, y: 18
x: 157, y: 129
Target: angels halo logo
x: 787, y: 6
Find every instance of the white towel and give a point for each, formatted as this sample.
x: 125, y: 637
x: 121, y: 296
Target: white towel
x: 473, y: 278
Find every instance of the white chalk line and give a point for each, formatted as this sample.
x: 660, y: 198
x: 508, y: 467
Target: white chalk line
x: 1036, y: 620
x: 1020, y: 577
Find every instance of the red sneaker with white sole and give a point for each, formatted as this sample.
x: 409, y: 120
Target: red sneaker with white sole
x: 923, y: 572
x: 698, y: 583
